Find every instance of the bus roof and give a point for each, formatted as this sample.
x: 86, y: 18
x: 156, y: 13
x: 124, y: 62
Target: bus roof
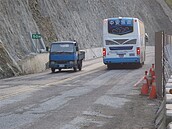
x: 72, y: 42
x: 123, y: 18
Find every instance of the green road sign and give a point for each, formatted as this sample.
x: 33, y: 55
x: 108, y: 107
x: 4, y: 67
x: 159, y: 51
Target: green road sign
x: 36, y: 36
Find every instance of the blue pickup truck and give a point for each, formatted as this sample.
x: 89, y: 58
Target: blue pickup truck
x: 65, y: 55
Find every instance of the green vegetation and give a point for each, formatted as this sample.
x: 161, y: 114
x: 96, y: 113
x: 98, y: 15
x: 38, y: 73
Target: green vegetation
x: 169, y: 2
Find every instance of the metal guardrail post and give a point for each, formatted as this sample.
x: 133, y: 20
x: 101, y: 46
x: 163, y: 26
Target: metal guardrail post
x: 159, y: 40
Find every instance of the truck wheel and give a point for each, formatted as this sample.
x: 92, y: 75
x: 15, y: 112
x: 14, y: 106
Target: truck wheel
x: 53, y: 70
x: 75, y: 69
x: 80, y: 65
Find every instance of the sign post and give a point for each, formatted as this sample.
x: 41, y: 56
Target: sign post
x: 36, y: 37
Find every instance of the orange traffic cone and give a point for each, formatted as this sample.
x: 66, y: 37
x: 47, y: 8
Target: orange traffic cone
x: 146, y: 73
x: 147, y: 78
x: 145, y: 87
x: 150, y: 77
x: 136, y: 84
x: 152, y: 94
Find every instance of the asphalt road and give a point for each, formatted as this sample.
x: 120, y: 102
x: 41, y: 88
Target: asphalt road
x: 94, y: 98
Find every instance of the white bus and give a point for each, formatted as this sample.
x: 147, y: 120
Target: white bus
x: 124, y: 41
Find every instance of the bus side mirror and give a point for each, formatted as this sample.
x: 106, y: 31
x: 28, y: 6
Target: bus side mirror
x: 77, y: 49
x: 146, y: 37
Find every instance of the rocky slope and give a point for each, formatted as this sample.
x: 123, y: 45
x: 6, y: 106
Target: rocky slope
x: 68, y: 19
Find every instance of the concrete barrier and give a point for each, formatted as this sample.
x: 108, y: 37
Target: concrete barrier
x: 160, y: 119
x: 36, y: 63
x: 93, y: 53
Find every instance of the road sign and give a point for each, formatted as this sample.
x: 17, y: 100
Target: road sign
x: 36, y: 36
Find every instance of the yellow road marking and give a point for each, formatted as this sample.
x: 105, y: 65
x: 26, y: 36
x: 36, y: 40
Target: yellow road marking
x: 15, y: 93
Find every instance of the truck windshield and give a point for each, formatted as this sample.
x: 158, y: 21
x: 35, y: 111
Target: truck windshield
x: 62, y: 47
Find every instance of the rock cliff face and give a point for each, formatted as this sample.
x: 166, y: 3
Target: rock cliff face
x: 69, y: 19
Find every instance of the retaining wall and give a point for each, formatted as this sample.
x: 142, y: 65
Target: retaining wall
x: 36, y: 63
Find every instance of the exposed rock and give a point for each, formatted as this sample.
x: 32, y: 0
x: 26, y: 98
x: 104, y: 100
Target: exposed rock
x: 8, y: 66
x: 43, y: 21
x: 71, y: 19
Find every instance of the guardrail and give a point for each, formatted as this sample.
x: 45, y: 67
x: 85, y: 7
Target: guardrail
x: 167, y: 78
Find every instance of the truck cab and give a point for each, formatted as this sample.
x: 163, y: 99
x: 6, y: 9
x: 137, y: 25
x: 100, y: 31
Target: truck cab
x: 65, y: 55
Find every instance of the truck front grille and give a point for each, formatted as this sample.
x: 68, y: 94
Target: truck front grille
x: 62, y: 62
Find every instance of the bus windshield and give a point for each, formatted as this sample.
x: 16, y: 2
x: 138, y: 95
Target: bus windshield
x: 62, y: 47
x: 120, y: 26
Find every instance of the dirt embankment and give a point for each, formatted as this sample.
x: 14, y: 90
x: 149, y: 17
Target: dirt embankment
x: 66, y: 19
